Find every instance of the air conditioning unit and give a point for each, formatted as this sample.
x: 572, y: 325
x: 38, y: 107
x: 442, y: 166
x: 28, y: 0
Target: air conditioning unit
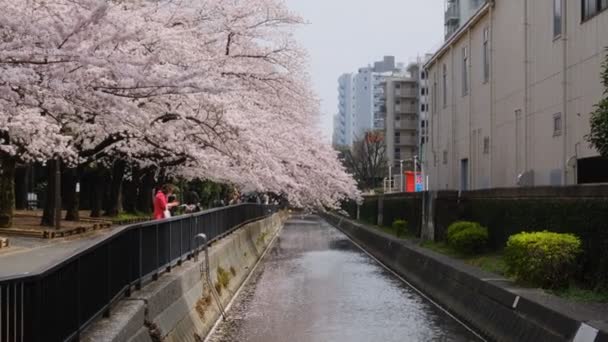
x: 526, y: 179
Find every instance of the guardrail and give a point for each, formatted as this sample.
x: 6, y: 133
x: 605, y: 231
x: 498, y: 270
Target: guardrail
x: 57, y: 303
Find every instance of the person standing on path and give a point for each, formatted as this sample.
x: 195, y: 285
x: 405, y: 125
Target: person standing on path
x: 161, y: 205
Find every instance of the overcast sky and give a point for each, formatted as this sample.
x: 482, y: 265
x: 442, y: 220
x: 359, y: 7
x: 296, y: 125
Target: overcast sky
x: 344, y: 35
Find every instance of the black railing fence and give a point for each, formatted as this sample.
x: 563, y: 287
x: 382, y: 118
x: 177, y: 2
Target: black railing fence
x: 57, y: 303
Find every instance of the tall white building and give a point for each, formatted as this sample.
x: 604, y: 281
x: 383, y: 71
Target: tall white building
x: 344, y: 119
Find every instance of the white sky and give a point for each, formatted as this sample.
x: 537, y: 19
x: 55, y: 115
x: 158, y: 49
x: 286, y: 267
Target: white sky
x: 344, y: 35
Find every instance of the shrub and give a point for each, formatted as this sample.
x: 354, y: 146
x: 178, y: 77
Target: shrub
x: 469, y: 238
x: 400, y: 227
x: 543, y: 259
x: 459, y: 226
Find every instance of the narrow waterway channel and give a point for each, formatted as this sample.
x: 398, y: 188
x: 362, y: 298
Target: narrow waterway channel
x: 316, y: 285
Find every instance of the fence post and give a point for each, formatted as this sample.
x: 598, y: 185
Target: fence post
x: 380, y: 210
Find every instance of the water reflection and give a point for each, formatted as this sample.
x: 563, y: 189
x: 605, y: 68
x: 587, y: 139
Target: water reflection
x: 315, y: 285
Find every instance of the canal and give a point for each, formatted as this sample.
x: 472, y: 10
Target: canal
x: 314, y: 284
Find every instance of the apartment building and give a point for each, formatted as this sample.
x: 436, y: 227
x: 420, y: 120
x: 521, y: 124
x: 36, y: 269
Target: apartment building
x: 361, y: 100
x: 458, y: 12
x: 344, y: 120
x: 401, y: 131
x: 511, y: 96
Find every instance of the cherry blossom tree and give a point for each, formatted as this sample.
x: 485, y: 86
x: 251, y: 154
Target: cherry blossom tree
x: 213, y: 89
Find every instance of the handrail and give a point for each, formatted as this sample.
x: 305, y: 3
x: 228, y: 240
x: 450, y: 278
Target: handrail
x: 56, y: 302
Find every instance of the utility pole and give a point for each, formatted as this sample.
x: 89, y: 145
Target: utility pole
x: 401, y: 176
x: 57, y: 193
x: 390, y: 178
x: 415, y: 170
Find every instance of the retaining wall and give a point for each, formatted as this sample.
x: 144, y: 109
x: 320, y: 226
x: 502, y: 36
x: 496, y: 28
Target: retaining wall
x: 490, y: 304
x: 178, y: 307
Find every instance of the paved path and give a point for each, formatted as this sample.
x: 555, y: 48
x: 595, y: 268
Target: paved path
x: 29, y: 255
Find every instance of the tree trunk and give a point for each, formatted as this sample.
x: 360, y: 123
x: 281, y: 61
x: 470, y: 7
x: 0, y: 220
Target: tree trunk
x: 145, y: 194
x: 131, y: 187
x: 99, y: 180
x: 7, y: 191
x: 21, y: 187
x: 118, y: 172
x: 48, y: 215
x: 72, y: 193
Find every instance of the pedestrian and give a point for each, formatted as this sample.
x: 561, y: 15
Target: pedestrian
x: 162, y: 206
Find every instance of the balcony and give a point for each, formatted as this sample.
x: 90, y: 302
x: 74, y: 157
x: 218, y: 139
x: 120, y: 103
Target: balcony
x: 407, y: 92
x: 406, y: 125
x: 406, y: 108
x: 406, y: 141
x: 452, y: 14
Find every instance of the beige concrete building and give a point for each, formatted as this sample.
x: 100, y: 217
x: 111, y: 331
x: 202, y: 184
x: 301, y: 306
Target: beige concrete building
x: 401, y: 124
x: 511, y: 96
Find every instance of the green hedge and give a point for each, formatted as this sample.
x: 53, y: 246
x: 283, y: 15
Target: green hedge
x: 586, y: 218
x: 543, y: 259
x: 400, y: 227
x: 467, y: 237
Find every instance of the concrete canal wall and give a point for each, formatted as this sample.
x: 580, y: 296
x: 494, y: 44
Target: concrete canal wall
x: 490, y: 304
x: 179, y: 306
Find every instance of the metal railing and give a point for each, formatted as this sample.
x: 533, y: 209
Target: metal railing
x: 57, y: 303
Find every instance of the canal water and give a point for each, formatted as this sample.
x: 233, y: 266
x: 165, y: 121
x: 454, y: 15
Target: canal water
x: 314, y: 284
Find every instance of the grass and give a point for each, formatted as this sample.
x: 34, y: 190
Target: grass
x: 492, y: 262
x: 122, y: 217
x: 579, y: 294
x: 391, y: 231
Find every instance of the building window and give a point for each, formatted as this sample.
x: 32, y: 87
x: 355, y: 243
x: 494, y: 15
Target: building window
x: 397, y: 137
x: 397, y: 86
x: 592, y: 7
x: 423, y: 75
x: 486, y: 55
x: 434, y: 95
x: 557, y: 124
x: 486, y: 145
x: 445, y: 157
x: 557, y: 18
x: 398, y: 118
x: 445, y: 86
x: 465, y: 71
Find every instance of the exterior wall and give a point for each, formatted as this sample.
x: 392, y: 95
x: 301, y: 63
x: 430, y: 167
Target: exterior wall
x: 514, y: 111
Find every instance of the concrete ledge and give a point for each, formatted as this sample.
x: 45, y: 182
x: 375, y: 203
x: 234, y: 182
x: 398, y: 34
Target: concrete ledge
x: 493, y: 305
x: 128, y: 318
x: 177, y: 307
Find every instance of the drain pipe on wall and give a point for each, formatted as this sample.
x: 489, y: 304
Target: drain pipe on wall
x: 565, y: 88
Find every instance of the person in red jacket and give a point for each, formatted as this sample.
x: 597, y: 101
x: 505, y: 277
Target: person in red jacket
x: 161, y: 207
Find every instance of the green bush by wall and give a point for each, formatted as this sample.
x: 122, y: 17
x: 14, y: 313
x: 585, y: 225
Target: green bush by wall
x: 586, y: 218
x: 544, y: 259
x: 403, y: 208
x: 400, y: 227
x: 467, y: 237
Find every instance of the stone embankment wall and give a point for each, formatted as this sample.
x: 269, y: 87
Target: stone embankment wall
x: 179, y: 307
